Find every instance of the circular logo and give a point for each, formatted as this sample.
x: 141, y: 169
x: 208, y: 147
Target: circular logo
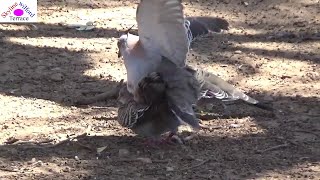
x: 18, y: 12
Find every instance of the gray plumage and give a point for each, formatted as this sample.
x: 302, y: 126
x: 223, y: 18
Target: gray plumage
x: 182, y: 91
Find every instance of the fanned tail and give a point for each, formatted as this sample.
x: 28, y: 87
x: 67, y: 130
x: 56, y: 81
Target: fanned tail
x: 213, y: 86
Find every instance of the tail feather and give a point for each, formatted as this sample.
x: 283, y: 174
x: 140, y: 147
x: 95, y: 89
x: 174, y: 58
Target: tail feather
x: 215, y: 87
x: 188, y: 118
x: 182, y: 90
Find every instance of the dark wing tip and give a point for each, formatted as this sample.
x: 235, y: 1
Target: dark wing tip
x: 264, y: 106
x: 204, y: 25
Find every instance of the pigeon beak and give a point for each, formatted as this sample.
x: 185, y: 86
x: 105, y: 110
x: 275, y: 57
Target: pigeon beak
x: 119, y: 54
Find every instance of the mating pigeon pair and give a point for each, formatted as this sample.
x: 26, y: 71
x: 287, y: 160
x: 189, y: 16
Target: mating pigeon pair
x: 161, y: 88
x: 152, y: 115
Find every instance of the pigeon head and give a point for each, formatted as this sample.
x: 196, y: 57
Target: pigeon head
x: 124, y: 95
x: 123, y: 42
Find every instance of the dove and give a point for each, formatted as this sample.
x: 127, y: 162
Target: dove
x: 163, y: 32
x: 149, y: 113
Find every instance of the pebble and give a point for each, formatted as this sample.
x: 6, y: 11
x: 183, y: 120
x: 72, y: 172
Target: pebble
x: 267, y: 98
x: 57, y: 77
x: 67, y: 169
x: 123, y: 152
x: 169, y: 169
x: 237, y: 52
x: 145, y: 160
x: 235, y: 125
x: 33, y: 160
x: 245, y: 3
x: 38, y: 164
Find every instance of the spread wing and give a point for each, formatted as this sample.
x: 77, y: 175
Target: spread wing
x: 161, y: 28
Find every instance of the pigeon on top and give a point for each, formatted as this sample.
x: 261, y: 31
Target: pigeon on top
x: 163, y: 32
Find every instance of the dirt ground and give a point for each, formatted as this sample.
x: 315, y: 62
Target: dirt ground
x: 271, y: 51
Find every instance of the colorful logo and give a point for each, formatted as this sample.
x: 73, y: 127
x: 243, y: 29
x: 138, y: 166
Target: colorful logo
x: 21, y: 11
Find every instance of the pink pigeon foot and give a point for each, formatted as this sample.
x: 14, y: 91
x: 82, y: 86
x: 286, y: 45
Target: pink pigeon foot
x: 160, y: 142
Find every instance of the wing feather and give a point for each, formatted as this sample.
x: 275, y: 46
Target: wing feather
x: 161, y: 29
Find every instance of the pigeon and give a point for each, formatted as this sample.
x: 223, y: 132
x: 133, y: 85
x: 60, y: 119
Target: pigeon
x: 163, y: 32
x: 162, y: 47
x: 149, y: 115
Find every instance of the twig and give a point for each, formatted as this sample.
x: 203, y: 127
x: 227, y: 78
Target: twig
x: 208, y: 116
x: 308, y: 38
x: 202, y: 126
x: 69, y: 139
x: 113, y: 93
x: 8, y: 170
x: 128, y: 160
x: 11, y: 141
x: 105, y: 118
x: 274, y: 148
x: 161, y: 161
x: 85, y: 146
x: 195, y: 166
x: 139, y: 160
x: 19, y: 142
x: 307, y: 132
x: 97, y: 107
x: 91, y: 92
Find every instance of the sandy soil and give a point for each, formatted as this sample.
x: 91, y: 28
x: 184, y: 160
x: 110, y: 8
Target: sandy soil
x: 272, y: 52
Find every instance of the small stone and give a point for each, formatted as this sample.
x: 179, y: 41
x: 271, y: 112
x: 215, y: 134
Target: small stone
x: 5, y: 127
x: 33, y: 160
x: 267, y: 98
x: 38, y: 164
x: 145, y: 160
x: 246, y: 68
x: 169, y: 169
x: 57, y: 77
x: 234, y: 126
x: 123, y: 152
x: 53, y: 69
x: 245, y: 3
x: 67, y: 169
x: 76, y: 158
x: 237, y: 52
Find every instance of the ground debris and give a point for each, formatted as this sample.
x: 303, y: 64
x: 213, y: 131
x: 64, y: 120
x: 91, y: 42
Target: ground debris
x: 113, y: 93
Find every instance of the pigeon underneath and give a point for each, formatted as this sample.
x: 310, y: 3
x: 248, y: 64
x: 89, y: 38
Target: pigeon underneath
x: 148, y: 113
